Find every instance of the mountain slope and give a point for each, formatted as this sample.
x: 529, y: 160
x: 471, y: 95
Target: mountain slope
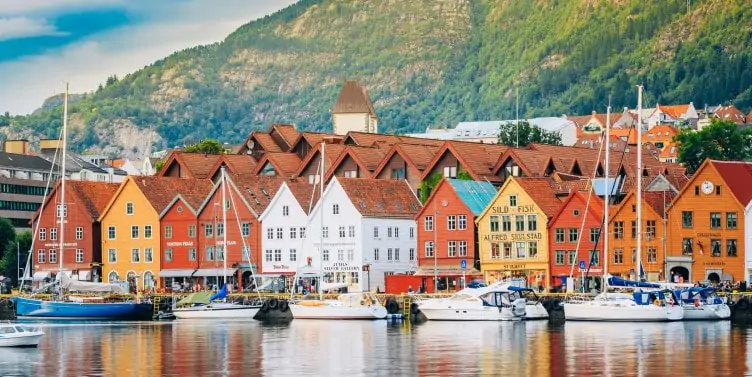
x: 425, y: 63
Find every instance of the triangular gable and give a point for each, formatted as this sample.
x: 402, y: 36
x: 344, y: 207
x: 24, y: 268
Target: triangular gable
x: 46, y: 201
x: 282, y: 191
x: 506, y: 157
x: 434, y: 192
x: 329, y: 187
x: 265, y: 160
x: 304, y: 165
x: 128, y: 181
x: 658, y: 180
x: 590, y: 208
x: 707, y: 164
x: 623, y: 204
x: 178, y: 198
x: 173, y: 159
x: 347, y: 153
x: 448, y: 148
x: 395, y: 150
x: 494, y: 199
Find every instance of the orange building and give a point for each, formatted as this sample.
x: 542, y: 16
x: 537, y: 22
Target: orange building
x: 706, y: 223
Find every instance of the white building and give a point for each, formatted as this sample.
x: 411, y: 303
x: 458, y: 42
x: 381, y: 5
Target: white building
x: 488, y: 132
x: 283, y: 225
x: 366, y: 223
x: 748, y: 240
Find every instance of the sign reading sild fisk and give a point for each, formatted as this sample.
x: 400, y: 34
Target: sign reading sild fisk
x: 341, y: 267
x: 519, y: 209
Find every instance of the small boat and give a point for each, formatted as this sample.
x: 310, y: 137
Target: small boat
x: 202, y: 306
x: 492, y: 303
x: 363, y: 306
x: 703, y: 304
x: 14, y: 335
x: 534, y: 309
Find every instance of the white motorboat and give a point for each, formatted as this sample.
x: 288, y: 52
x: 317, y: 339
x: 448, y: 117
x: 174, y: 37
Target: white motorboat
x: 641, y: 306
x: 217, y: 310
x: 533, y: 307
x: 13, y: 335
x: 363, y: 306
x: 492, y: 303
x: 703, y: 304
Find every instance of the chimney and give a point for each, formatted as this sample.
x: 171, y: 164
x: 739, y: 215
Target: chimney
x: 20, y: 146
x: 49, y: 144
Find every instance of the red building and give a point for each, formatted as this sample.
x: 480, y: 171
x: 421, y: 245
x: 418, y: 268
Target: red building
x: 82, y: 239
x: 446, y: 232
x: 565, y: 229
x: 246, y: 198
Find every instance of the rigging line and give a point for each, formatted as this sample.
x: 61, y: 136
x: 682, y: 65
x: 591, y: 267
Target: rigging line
x: 242, y: 239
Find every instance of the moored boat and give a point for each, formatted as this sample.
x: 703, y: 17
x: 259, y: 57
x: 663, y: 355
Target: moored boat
x: 492, y: 303
x: 202, y: 306
x: 14, y: 335
x: 534, y: 309
x: 363, y: 306
x: 703, y: 304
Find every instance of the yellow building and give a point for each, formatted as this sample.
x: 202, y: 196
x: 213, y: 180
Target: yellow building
x: 130, y: 227
x: 513, y: 231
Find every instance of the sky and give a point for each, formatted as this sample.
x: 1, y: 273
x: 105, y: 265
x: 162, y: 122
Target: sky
x: 44, y: 43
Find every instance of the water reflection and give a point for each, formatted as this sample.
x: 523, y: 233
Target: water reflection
x: 335, y: 348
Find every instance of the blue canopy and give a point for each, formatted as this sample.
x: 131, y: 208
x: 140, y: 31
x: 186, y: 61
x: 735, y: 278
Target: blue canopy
x: 619, y: 282
x: 219, y: 295
x: 519, y: 289
x: 687, y: 295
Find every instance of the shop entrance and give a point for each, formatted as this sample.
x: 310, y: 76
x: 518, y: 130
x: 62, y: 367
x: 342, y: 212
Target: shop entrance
x: 680, y: 272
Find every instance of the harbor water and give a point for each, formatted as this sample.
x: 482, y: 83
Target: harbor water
x: 353, y: 348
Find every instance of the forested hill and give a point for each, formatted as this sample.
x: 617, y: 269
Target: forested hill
x: 424, y: 62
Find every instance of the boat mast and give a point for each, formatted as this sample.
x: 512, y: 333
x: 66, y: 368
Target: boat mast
x: 321, y: 217
x: 224, y: 229
x: 639, y: 182
x: 607, y: 199
x: 61, y: 207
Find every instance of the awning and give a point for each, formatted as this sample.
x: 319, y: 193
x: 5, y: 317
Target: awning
x: 41, y: 275
x: 68, y: 273
x: 84, y: 275
x: 175, y: 273
x: 446, y: 271
x: 203, y: 272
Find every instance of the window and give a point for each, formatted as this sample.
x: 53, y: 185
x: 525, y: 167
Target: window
x: 532, y: 223
x: 730, y: 248
x: 375, y: 232
x: 246, y: 253
x: 112, y: 276
x: 715, y: 220
x: 532, y: 249
x: 573, y: 234
x: 519, y: 223
x: 389, y: 254
x: 572, y: 257
x: 513, y: 200
x: 147, y: 231
x: 595, y: 258
x: 192, y: 254
x: 268, y: 255
x: 112, y: 232
x: 618, y: 230
x: 42, y: 234
x: 389, y: 232
x: 428, y: 249
x: 618, y: 256
x: 79, y: 255
x: 451, y: 222
x: 293, y: 255
x: 376, y: 254
x: 280, y: 233
x: 246, y: 229
x: 450, y: 171
x: 412, y: 254
x: 351, y: 231
x: 335, y: 209
x: 559, y: 257
x: 220, y: 229
x: 341, y: 255
x: 208, y: 230
x: 652, y: 255
x: 396, y: 232
x: 325, y: 255
x: 148, y: 255
x: 134, y: 232
x: 79, y: 233
x: 495, y: 251
x: 687, y: 221
x: 594, y: 234
x: 634, y: 255
x: 293, y: 233
x: 506, y: 250
x: 135, y: 255
x: 285, y: 211
x: 506, y: 223
x: 412, y: 232
x: 341, y: 232
x: 112, y: 255
x: 463, y: 248
x: 452, y: 248
x: 634, y: 229
x: 168, y: 254
x: 53, y: 234
x: 428, y: 223
x: 41, y: 256
x: 559, y: 235
x: 494, y: 222
x: 398, y: 173
x: 396, y: 254
x: 128, y: 208
x: 521, y: 250
x: 269, y: 233
x: 687, y: 246
x: 718, y: 190
x: 325, y: 232
x: 302, y: 232
x: 462, y: 222
x: 62, y: 210
x: 650, y: 229
x: 168, y: 231
x: 715, y: 247
x: 730, y: 220
x: 53, y: 256
x: 278, y: 255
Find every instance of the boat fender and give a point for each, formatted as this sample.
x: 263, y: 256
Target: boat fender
x: 657, y: 302
x: 392, y: 307
x: 414, y: 309
x: 547, y: 304
x: 283, y: 306
x: 8, y: 304
x: 697, y: 303
x: 264, y: 307
x: 272, y: 303
x: 742, y: 304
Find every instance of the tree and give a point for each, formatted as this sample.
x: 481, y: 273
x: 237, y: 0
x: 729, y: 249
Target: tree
x: 721, y: 140
x: 7, y: 234
x: 158, y: 165
x: 9, y: 263
x: 209, y: 146
x: 526, y: 133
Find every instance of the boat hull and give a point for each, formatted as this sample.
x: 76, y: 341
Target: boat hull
x: 485, y: 313
x: 706, y: 312
x: 217, y: 311
x: 338, y: 312
x: 535, y: 311
x: 27, y: 339
x: 27, y: 307
x: 612, y: 312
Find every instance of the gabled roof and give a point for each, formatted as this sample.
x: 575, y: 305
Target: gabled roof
x: 415, y: 155
x: 366, y: 158
x: 669, y: 151
x: 25, y: 162
x: 257, y: 191
x: 366, y: 139
x: 539, y: 189
x: 284, y: 163
x: 477, y: 159
x: 312, y: 138
x: 658, y: 200
x: 94, y: 196
x: 391, y: 198
x: 331, y: 152
x: 161, y: 191
x: 235, y: 163
x: 661, y: 132
x: 353, y: 99
x: 674, y: 111
x: 196, y: 165
x: 738, y: 178
x: 731, y: 113
x: 287, y: 133
x: 595, y: 207
x: 306, y: 194
x: 617, y: 144
x: 532, y: 163
x: 475, y: 195
x: 266, y: 141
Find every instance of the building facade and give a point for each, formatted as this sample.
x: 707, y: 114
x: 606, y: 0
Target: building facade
x: 23, y: 181
x: 179, y: 242
x: 748, y: 239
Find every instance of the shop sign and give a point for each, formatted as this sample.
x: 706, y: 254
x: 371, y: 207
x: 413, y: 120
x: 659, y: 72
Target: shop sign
x: 518, y: 209
x: 717, y: 264
x: 342, y: 267
x: 178, y: 243
x: 280, y: 267
x: 67, y: 244
x: 717, y: 235
x: 229, y: 243
x: 513, y: 237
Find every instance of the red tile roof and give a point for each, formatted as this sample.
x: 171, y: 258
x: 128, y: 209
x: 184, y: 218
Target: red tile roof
x: 331, y: 152
x: 365, y: 139
x: 284, y: 163
x: 381, y: 197
x: 658, y: 200
x: 540, y: 190
x: 235, y: 163
x: 266, y: 142
x: 477, y: 159
x: 198, y: 165
x: 367, y: 158
x: 731, y: 113
x: 257, y: 190
x: 160, y: 191
x: 674, y: 111
x: 353, y: 99
x: 660, y: 133
x: 94, y: 195
x: 738, y: 178
x: 305, y: 193
x: 415, y: 155
x: 288, y: 133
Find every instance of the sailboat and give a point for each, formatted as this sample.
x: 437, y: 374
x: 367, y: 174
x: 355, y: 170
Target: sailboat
x: 362, y: 305
x: 648, y: 302
x: 219, y: 309
x: 64, y: 305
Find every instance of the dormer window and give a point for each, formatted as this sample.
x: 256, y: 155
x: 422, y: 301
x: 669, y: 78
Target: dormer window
x: 62, y: 210
x: 129, y: 208
x: 335, y: 209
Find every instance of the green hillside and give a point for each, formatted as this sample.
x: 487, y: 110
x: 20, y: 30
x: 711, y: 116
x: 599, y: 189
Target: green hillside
x: 426, y: 63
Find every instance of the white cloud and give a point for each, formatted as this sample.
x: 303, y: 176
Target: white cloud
x: 19, y: 7
x: 27, y: 82
x: 21, y: 27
